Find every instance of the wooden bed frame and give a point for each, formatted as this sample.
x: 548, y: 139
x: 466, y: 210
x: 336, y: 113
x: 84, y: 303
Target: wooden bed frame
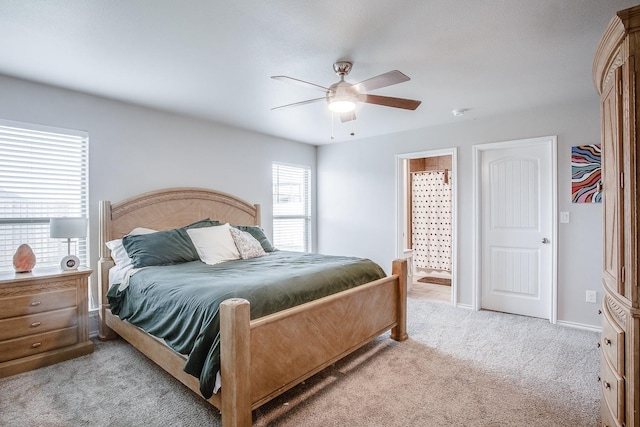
x: 261, y: 358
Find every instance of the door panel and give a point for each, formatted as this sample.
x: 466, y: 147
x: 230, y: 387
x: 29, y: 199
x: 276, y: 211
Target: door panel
x: 611, y: 191
x: 517, y: 222
x: 514, y: 271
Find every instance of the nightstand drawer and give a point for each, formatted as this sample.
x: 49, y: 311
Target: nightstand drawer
x: 612, y: 342
x: 34, y: 344
x: 38, y: 323
x: 612, y: 385
x: 31, y: 303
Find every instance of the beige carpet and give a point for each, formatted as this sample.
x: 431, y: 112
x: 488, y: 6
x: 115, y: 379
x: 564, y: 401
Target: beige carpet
x: 460, y: 368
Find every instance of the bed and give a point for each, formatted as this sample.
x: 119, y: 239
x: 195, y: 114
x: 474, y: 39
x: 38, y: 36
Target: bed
x: 262, y: 357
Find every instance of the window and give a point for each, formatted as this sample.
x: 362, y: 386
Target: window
x: 43, y: 174
x: 292, y: 207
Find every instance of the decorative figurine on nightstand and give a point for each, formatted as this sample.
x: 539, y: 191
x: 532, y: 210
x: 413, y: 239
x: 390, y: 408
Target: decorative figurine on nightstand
x: 24, y: 259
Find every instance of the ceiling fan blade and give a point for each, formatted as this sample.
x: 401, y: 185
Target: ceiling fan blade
x: 383, y: 80
x: 295, y: 104
x: 300, y: 82
x: 347, y: 117
x: 388, y: 101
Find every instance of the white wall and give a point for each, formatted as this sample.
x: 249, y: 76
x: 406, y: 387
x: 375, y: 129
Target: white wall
x: 134, y: 149
x: 360, y: 218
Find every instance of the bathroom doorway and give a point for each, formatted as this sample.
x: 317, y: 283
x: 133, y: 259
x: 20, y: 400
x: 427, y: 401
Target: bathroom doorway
x: 428, y: 223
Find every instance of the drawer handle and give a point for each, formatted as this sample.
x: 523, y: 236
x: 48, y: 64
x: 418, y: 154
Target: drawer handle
x: 607, y: 341
x: 35, y: 303
x: 36, y: 344
x: 598, y: 345
x: 36, y: 324
x: 607, y: 385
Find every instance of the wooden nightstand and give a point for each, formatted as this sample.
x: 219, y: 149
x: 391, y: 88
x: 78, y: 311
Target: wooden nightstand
x: 43, y: 318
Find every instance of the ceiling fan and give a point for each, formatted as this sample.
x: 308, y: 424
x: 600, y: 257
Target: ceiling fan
x: 342, y: 96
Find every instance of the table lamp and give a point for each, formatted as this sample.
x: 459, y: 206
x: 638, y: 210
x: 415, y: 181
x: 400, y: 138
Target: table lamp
x: 68, y: 228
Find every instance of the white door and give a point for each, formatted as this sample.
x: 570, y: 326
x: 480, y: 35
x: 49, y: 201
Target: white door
x: 517, y: 225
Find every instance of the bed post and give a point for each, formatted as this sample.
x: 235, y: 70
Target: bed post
x: 104, y: 264
x: 399, y: 268
x: 235, y: 361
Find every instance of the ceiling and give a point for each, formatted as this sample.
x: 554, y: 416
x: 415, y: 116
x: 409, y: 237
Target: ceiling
x: 213, y: 59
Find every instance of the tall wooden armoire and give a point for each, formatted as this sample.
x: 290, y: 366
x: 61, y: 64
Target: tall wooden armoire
x: 615, y: 74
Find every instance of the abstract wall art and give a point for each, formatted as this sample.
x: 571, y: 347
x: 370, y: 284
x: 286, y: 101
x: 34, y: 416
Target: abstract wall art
x: 585, y: 174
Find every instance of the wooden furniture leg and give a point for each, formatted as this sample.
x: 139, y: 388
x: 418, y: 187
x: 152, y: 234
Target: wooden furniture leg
x: 399, y: 268
x: 235, y: 347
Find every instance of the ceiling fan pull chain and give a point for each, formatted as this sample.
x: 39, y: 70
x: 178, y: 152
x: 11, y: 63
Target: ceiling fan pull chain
x: 332, y: 125
x: 353, y: 124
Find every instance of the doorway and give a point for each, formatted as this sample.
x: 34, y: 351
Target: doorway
x: 427, y: 222
x: 515, y: 211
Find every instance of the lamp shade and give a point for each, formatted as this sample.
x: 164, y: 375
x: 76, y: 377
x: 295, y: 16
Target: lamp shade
x: 68, y: 227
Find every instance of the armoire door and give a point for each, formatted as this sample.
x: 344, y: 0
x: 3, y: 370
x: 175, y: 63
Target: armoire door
x: 612, y: 198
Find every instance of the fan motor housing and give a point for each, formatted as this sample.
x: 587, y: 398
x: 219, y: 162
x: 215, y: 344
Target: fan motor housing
x: 342, y: 68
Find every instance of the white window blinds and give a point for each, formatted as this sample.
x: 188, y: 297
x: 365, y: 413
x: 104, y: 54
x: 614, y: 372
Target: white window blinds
x: 43, y: 174
x: 292, y: 208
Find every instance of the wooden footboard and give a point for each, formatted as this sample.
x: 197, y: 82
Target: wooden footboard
x: 264, y: 358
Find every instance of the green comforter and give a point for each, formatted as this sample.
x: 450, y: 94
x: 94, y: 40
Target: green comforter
x: 180, y: 303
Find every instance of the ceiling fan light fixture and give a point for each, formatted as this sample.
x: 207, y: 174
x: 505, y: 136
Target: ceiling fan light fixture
x: 342, y: 97
x: 342, y: 104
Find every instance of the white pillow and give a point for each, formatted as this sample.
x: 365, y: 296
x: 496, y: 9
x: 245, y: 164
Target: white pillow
x: 118, y: 253
x: 248, y: 246
x: 214, y: 244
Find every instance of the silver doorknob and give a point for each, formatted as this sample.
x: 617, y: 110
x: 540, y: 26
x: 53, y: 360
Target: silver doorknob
x: 545, y: 240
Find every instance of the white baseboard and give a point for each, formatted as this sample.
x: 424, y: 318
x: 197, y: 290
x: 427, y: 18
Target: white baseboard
x: 574, y: 325
x: 582, y: 326
x: 465, y: 306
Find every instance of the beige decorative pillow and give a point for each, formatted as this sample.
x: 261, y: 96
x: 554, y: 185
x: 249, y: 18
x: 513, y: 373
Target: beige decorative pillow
x: 214, y: 244
x: 248, y: 246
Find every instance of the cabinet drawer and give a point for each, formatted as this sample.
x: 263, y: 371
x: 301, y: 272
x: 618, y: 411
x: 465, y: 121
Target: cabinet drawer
x: 39, y: 343
x: 612, y: 385
x: 612, y: 342
x: 607, y: 418
x: 38, y: 323
x: 22, y: 305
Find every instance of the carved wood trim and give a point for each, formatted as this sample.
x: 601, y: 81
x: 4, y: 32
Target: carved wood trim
x: 606, y: 53
x: 618, y: 312
x: 617, y: 62
x: 176, y: 195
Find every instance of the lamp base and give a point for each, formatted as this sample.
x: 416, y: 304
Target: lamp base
x: 70, y: 262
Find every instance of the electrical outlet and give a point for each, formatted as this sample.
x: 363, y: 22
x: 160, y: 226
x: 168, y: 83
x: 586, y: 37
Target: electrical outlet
x: 591, y: 296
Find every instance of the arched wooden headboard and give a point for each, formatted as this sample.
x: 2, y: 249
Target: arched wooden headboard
x: 164, y: 210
